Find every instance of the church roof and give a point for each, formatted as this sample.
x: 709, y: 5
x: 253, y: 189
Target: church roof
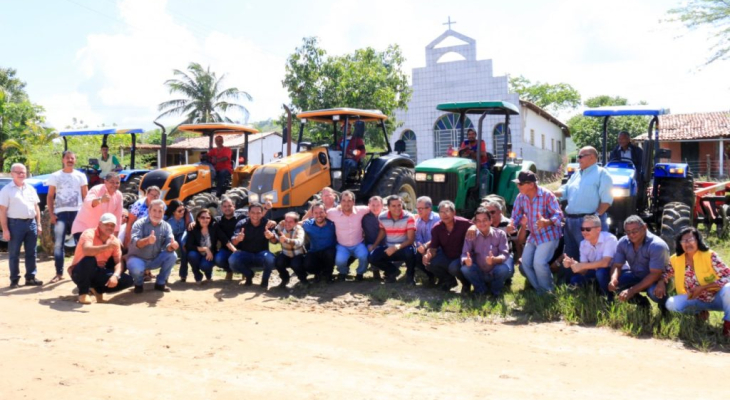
x: 539, y: 111
x: 708, y: 125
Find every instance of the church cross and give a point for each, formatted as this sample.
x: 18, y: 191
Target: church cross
x: 449, y: 23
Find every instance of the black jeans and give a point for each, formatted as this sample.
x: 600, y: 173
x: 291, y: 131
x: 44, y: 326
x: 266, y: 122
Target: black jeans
x: 295, y: 263
x: 86, y: 274
x: 321, y: 263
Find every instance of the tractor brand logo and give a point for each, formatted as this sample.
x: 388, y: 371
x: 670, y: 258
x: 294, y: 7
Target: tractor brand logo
x: 260, y: 186
x: 192, y: 176
x: 204, y: 172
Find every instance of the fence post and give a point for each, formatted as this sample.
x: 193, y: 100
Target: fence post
x: 709, y: 165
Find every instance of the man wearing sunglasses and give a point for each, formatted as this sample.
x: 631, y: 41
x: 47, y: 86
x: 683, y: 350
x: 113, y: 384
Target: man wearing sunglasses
x: 588, y: 192
x: 596, y: 253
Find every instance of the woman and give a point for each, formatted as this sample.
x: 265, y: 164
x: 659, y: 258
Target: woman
x: 176, y: 216
x: 201, y: 246
x: 700, y: 277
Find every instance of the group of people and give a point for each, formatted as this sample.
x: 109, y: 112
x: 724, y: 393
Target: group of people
x: 481, y: 253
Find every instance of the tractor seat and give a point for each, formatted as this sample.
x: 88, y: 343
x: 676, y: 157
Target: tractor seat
x: 400, y: 146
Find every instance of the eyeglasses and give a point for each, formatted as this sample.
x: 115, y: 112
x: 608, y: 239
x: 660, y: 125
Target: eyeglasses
x: 179, y: 210
x: 633, y: 231
x: 688, y: 240
x: 19, y: 172
x: 587, y: 229
x: 580, y: 156
x: 423, y: 208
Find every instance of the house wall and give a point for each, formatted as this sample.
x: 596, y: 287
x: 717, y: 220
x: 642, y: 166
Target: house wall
x: 549, y: 158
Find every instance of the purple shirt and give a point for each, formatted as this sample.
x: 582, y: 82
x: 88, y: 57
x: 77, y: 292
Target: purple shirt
x: 545, y: 204
x: 495, y: 241
x: 451, y: 243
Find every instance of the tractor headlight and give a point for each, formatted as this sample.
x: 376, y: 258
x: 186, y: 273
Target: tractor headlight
x: 440, y: 178
x: 337, y: 175
x: 163, y: 193
x: 620, y: 192
x: 253, y: 198
x: 421, y: 176
x: 271, y: 196
x: 122, y: 176
x: 676, y: 171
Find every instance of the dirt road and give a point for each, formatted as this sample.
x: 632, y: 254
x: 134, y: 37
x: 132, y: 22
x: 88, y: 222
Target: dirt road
x: 227, y: 341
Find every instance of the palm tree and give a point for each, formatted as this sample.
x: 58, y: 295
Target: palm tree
x: 33, y: 137
x: 205, y: 100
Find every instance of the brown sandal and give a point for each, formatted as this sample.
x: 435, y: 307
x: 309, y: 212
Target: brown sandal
x: 56, y: 279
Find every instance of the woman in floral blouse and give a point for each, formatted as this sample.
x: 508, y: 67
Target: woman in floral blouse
x: 700, y: 277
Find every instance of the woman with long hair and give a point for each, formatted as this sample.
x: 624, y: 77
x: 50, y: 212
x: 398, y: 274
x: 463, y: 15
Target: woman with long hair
x: 201, y: 246
x: 175, y: 215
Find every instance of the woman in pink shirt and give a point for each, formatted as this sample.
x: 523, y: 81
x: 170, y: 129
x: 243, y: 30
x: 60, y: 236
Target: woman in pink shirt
x: 100, y: 199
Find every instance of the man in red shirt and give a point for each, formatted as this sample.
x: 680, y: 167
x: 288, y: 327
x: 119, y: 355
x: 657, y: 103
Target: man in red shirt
x: 221, y: 157
x: 468, y: 148
x: 354, y: 153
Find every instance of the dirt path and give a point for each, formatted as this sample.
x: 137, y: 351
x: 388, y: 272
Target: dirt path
x: 224, y: 341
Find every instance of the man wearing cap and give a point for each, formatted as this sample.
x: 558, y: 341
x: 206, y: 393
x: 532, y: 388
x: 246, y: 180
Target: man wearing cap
x: 541, y: 209
x: 97, y: 264
x: 588, y: 192
x: 20, y: 219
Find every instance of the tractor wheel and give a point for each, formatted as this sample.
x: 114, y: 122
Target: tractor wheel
x: 675, y: 217
x: 204, y: 200
x: 129, y: 199
x: 677, y: 190
x: 239, y: 195
x: 400, y: 181
x: 132, y: 185
x: 47, y: 234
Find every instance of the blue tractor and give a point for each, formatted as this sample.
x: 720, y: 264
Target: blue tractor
x: 662, y: 194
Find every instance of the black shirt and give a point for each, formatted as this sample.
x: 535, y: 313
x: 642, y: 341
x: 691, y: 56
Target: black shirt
x: 225, y: 227
x: 254, y: 240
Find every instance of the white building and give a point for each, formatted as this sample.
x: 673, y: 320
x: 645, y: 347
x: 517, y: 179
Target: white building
x: 536, y: 135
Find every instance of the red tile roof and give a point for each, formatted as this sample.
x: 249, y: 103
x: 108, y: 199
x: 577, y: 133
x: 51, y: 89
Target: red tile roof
x: 710, y: 125
x: 201, y: 143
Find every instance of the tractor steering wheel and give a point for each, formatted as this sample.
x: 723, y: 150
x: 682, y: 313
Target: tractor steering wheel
x: 622, y: 160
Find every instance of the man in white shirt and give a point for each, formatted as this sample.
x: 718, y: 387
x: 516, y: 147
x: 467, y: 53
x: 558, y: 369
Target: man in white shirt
x: 596, y: 255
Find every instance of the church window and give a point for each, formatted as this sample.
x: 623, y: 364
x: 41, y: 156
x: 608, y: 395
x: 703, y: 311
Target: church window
x: 447, y: 133
x: 498, y: 144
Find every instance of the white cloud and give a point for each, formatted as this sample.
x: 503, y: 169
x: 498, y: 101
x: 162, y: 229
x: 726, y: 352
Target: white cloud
x: 62, y: 108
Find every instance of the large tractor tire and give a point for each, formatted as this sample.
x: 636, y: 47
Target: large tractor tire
x: 400, y: 181
x: 204, y: 200
x: 675, y: 217
x: 677, y: 190
x: 128, y: 199
x: 239, y: 196
x: 47, y: 233
x: 132, y: 185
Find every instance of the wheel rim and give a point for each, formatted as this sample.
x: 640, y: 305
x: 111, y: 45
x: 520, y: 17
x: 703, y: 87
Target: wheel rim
x: 408, y: 194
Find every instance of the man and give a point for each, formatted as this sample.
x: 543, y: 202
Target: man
x: 398, y: 231
x: 371, y: 227
x: 348, y: 223
x: 588, y: 192
x: 66, y: 190
x: 291, y: 238
x: 543, y: 218
x: 625, y: 150
x: 100, y: 200
x: 328, y: 198
x: 97, y: 264
x: 224, y: 231
x: 251, y: 240
x: 221, y: 156
x: 353, y: 154
x: 596, y: 254
x: 647, y: 257
x: 443, y: 258
x: 20, y: 219
x: 152, y: 246
x: 484, y: 258
x: 468, y: 148
x: 425, y: 221
x: 320, y: 257
x: 108, y: 163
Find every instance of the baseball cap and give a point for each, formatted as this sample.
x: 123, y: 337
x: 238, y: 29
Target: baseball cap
x: 525, y: 176
x: 108, y: 218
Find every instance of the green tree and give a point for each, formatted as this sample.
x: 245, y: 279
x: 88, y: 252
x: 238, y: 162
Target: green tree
x: 712, y: 14
x: 588, y: 131
x: 365, y: 79
x: 205, y: 100
x: 16, y: 112
x: 26, y: 145
x: 268, y: 125
x: 552, y: 98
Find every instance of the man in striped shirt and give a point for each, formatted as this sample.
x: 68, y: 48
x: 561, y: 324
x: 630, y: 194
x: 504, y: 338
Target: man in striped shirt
x: 544, y: 217
x: 395, y: 241
x: 291, y: 238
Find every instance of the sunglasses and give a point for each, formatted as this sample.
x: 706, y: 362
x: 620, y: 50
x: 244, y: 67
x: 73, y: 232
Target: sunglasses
x: 583, y: 155
x: 588, y: 229
x: 490, y: 213
x: 204, y: 218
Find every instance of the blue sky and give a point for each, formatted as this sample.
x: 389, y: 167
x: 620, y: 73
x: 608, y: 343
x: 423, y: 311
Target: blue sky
x: 105, y: 61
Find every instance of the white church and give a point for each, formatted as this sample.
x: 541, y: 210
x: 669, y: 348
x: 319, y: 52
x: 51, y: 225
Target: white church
x: 536, y: 135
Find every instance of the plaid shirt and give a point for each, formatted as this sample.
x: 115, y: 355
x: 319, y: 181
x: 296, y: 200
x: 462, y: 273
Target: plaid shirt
x: 546, y: 204
x: 296, y: 247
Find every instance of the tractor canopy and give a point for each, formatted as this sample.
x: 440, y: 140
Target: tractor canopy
x: 480, y: 107
x: 625, y: 111
x: 339, y: 114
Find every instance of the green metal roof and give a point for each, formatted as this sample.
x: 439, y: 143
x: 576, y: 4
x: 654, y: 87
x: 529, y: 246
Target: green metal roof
x: 480, y: 107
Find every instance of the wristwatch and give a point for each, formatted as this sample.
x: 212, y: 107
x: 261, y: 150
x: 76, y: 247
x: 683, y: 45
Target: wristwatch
x: 117, y: 276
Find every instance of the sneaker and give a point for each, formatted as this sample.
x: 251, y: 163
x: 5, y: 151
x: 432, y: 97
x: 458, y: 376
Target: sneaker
x: 359, y: 277
x: 14, y: 285
x: 84, y: 299
x: 33, y: 282
x: 183, y: 279
x: 138, y: 289
x: 162, y: 288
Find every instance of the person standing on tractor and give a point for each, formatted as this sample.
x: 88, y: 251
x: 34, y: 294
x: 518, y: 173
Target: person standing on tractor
x: 625, y: 150
x: 221, y: 157
x: 108, y: 163
x: 468, y: 148
x: 588, y: 192
x: 67, y: 190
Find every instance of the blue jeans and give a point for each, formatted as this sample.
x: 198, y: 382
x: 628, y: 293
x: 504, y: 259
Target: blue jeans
x: 386, y: 263
x: 360, y: 251
x: 221, y: 259
x: 182, y: 254
x: 628, y: 279
x: 496, y: 277
x: 165, y: 261
x: 221, y: 180
x: 535, y: 259
x: 601, y: 275
x: 199, y: 265
x: 22, y: 232
x: 681, y: 304
x: 64, y: 220
x: 243, y: 262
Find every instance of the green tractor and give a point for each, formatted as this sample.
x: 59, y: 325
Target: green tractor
x: 463, y: 180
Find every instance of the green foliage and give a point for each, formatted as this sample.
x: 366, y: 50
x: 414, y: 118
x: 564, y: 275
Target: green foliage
x: 554, y: 98
x: 269, y: 125
x: 204, y: 99
x: 587, y: 131
x: 365, y: 79
x: 18, y: 117
x: 711, y: 14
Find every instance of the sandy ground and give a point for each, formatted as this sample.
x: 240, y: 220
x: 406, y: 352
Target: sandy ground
x: 229, y: 341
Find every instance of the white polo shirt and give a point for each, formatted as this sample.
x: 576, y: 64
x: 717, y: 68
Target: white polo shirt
x: 20, y: 201
x: 604, y: 247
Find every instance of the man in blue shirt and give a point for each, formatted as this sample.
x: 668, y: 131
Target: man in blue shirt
x: 425, y: 220
x: 647, y: 256
x: 587, y: 192
x: 320, y: 258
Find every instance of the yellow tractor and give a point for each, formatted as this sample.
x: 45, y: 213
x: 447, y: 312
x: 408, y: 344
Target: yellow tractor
x: 193, y: 183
